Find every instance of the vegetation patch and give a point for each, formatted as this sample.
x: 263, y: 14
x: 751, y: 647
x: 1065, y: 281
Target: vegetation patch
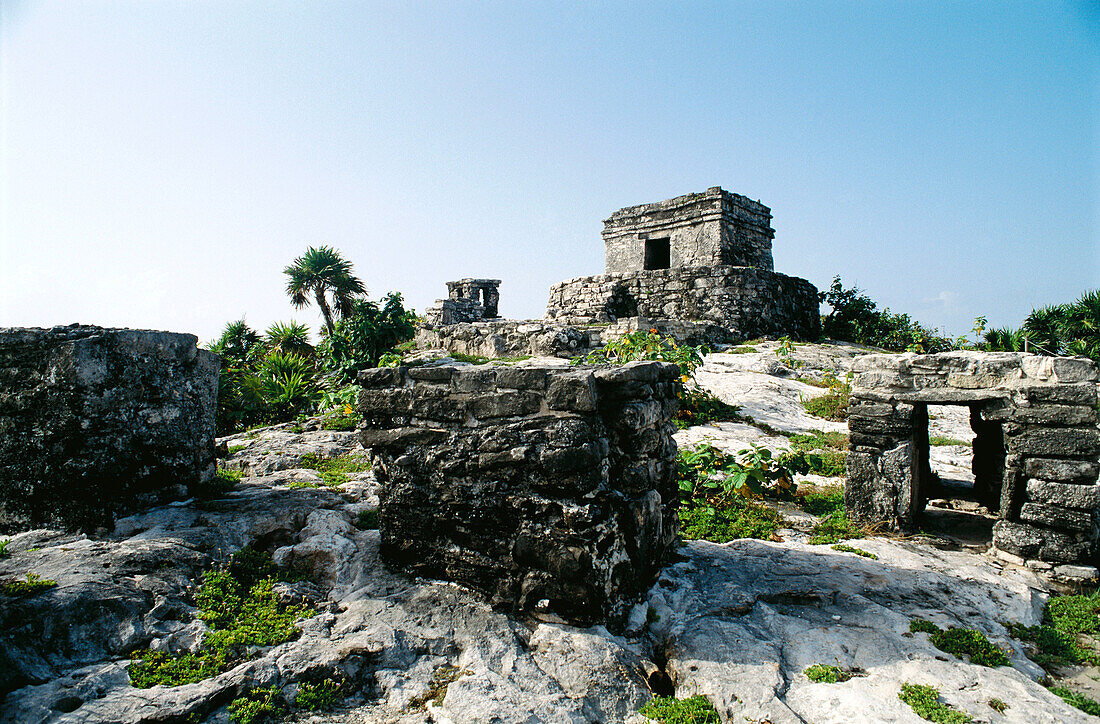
x: 234, y: 449
x: 833, y: 528
x: 938, y: 441
x: 33, y: 584
x: 221, y: 483
x: 700, y: 407
x: 857, y: 551
x: 833, y: 405
x: 367, y: 520
x: 442, y: 677
x: 721, y: 525
x: 1059, y: 638
x: 818, y: 452
x: 670, y: 710
x: 963, y: 642
x: 826, y: 674
x: 341, y: 422
x: 258, y: 706
x: 997, y: 705
x: 335, y: 471
x: 238, y: 604
x: 822, y: 503
x: 319, y: 695
x: 4, y: 548
x: 925, y: 703
x: 1075, y: 699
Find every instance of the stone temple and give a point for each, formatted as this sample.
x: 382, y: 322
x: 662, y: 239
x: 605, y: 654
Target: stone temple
x: 698, y: 267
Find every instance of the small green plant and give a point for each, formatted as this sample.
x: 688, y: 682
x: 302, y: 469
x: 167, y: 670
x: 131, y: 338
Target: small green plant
x: 700, y: 407
x: 1059, y: 638
x: 367, y: 520
x: 833, y: 528
x: 938, y: 441
x: 997, y: 705
x: 843, y: 548
x: 4, y: 547
x: 925, y: 703
x: 721, y: 525
x: 300, y: 484
x: 818, y: 452
x: 222, y: 482
x: 258, y: 706
x: 826, y: 674
x: 335, y: 471
x: 707, y: 473
x: 318, y: 696
x: 32, y: 585
x: 341, y: 422
x: 962, y: 642
x: 833, y: 405
x: 646, y: 345
x: 234, y: 449
x: 1078, y: 700
x: 785, y: 353
x: 822, y: 503
x: 670, y: 710
x: 442, y: 677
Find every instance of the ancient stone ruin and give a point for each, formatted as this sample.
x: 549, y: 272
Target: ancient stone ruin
x: 468, y: 300
x: 95, y: 422
x: 1035, y: 452
x: 698, y: 267
x: 540, y: 487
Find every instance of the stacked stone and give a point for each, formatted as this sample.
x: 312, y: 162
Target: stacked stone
x: 454, y: 311
x: 509, y: 338
x: 96, y: 422
x: 536, y: 486
x: 730, y: 303
x: 1046, y: 410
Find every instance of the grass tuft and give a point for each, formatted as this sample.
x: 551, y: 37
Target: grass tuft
x: 32, y: 585
x: 851, y: 549
x: 925, y: 703
x: 670, y: 710
x: 335, y: 471
x: 318, y: 696
x: 826, y: 674
x: 1075, y: 699
x: 258, y: 706
x: 937, y: 440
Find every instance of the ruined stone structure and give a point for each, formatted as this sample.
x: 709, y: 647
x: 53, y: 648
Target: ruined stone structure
x: 537, y: 486
x: 468, y: 300
x: 698, y: 267
x: 96, y: 422
x: 1035, y: 453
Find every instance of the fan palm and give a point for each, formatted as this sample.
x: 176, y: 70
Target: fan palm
x: 288, y: 338
x: 323, y: 273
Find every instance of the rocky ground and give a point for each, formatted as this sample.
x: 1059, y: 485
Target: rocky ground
x: 738, y: 623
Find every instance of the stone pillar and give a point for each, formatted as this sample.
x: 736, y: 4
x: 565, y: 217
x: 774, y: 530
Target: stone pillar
x: 536, y: 486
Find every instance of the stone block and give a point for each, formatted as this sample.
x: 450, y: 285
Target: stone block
x: 1068, y: 471
x: 521, y: 378
x: 382, y: 377
x: 1081, y: 393
x: 1067, y: 495
x: 505, y: 404
x: 1070, y: 442
x: 1054, y: 516
x: 433, y: 373
x: 101, y: 422
x: 1074, y: 369
x: 574, y: 391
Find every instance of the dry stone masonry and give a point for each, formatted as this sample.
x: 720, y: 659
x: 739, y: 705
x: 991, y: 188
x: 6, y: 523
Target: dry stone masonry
x: 697, y: 267
x: 540, y: 487
x: 1036, y: 448
x: 95, y: 422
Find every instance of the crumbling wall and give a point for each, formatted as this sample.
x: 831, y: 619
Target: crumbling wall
x: 1036, y: 418
x: 733, y: 303
x: 537, y: 486
x: 96, y: 422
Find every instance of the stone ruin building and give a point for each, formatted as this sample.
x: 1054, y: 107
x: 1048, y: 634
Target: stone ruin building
x: 1035, y: 454
x: 98, y: 422
x: 468, y: 300
x: 543, y: 488
x: 698, y: 267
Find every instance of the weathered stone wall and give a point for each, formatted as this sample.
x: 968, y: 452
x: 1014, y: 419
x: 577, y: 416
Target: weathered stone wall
x: 730, y: 303
x: 95, y: 422
x: 509, y: 338
x: 528, y: 484
x: 714, y: 228
x: 1036, y: 424
x: 454, y: 311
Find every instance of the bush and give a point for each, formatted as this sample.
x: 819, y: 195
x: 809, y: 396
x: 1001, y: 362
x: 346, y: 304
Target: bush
x: 826, y: 674
x: 359, y: 339
x: 833, y: 405
x: 962, y: 641
x: 649, y: 345
x: 318, y: 696
x: 258, y: 706
x: 855, y: 318
x: 925, y: 703
x: 1063, y: 329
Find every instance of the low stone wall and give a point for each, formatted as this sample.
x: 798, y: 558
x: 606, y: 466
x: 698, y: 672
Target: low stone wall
x: 1035, y: 454
x: 509, y: 338
x: 723, y: 303
x: 96, y: 422
x: 540, y: 487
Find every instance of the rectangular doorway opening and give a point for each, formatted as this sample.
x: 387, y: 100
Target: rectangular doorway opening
x: 658, y: 253
x: 959, y: 470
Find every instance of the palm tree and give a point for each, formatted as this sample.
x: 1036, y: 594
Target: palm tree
x: 322, y: 272
x: 288, y: 338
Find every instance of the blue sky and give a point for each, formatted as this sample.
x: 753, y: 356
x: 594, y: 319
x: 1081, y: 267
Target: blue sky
x: 163, y: 161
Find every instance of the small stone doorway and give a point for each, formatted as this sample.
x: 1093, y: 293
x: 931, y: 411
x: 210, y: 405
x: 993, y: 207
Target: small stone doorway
x: 658, y: 254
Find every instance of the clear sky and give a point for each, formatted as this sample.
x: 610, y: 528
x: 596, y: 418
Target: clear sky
x: 162, y: 162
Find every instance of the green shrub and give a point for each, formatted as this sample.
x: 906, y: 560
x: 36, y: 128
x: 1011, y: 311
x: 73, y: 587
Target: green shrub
x: 1062, y: 329
x: 670, y: 710
x: 925, y: 703
x: 833, y: 405
x: 826, y: 674
x: 1075, y: 699
x: 709, y: 474
x: 367, y: 520
x: 834, y: 528
x: 1058, y: 639
x: 851, y: 549
x: 739, y: 519
x: 258, y: 706
x: 855, y: 318
x: 238, y: 604
x: 318, y: 696
x: 643, y: 345
x: 962, y: 641
x: 341, y: 422
x: 32, y: 585
x: 335, y: 471
x: 360, y: 338
x: 823, y: 503
x: 997, y: 705
x: 4, y: 548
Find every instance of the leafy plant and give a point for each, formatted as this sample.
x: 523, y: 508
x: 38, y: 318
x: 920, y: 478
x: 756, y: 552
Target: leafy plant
x: 258, y: 706
x: 853, y: 317
x: 369, y: 331
x: 1076, y: 699
x: 288, y: 338
x: 33, y: 584
x: 833, y: 405
x: 4, y: 548
x: 707, y: 473
x: 997, y: 705
x: 925, y: 703
x: 646, y: 345
x: 785, y: 353
x: 318, y: 696
x: 699, y: 407
x: 963, y: 642
x: 826, y: 674
x: 670, y: 710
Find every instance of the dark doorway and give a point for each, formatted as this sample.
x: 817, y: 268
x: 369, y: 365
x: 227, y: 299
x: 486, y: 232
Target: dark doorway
x: 658, y: 254
x: 958, y: 476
